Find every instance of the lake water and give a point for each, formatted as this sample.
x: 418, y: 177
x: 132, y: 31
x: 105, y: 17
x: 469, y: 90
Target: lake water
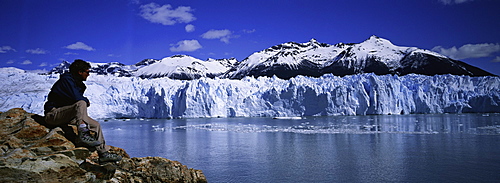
x: 382, y: 148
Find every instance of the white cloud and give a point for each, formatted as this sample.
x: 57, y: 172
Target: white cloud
x: 134, y: 2
x: 43, y: 64
x: 446, y: 2
x: 186, y: 45
x: 189, y: 28
x: 70, y: 53
x: 113, y: 55
x: 165, y: 15
x: 26, y: 62
x: 469, y: 50
x: 80, y: 46
x: 5, y: 49
x: 10, y: 61
x: 216, y: 34
x: 249, y: 31
x: 497, y: 59
x: 37, y: 51
x: 223, y: 35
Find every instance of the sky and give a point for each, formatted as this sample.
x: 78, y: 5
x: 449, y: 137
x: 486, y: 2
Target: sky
x: 40, y: 34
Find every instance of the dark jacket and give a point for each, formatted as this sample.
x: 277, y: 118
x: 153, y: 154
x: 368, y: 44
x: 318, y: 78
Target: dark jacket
x: 66, y: 91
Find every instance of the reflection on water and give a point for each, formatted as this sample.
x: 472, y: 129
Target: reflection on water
x: 383, y: 148
x: 414, y: 124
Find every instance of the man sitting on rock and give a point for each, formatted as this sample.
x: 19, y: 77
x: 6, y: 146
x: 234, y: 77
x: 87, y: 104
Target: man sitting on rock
x: 67, y: 105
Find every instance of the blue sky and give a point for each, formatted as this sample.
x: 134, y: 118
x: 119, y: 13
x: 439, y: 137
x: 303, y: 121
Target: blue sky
x: 39, y: 34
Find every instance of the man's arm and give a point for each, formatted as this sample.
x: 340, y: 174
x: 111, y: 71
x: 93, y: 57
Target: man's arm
x: 71, y: 91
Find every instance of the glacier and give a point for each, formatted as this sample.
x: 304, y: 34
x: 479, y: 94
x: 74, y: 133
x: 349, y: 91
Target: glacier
x: 328, y: 95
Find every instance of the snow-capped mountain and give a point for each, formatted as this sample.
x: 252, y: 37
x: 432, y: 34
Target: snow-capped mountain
x: 61, y: 68
x: 112, y: 68
x: 374, y: 55
x: 175, y: 67
x: 185, y: 68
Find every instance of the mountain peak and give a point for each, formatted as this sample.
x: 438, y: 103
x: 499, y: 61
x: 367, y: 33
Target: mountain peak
x: 61, y: 68
x: 376, y: 41
x: 374, y: 37
x: 179, y: 56
x: 315, y: 43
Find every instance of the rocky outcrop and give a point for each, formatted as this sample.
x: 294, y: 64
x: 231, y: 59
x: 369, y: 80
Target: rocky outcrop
x: 32, y: 152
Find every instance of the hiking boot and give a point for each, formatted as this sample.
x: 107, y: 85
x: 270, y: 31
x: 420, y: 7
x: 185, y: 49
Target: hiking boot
x: 87, y: 139
x: 109, y: 157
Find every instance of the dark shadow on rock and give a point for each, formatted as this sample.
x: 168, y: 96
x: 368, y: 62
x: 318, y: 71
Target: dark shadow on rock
x: 41, y: 120
x: 105, y: 172
x: 69, y: 131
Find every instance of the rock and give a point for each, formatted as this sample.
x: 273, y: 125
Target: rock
x: 106, y: 171
x: 32, y: 152
x: 57, y: 167
x: 156, y: 169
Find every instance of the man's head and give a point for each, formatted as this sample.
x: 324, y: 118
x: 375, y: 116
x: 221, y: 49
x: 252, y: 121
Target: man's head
x: 80, y: 68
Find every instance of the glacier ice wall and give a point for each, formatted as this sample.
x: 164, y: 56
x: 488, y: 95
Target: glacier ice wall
x: 113, y: 97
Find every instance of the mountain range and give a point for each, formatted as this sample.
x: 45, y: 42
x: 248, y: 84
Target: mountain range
x: 374, y: 55
x: 307, y: 79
